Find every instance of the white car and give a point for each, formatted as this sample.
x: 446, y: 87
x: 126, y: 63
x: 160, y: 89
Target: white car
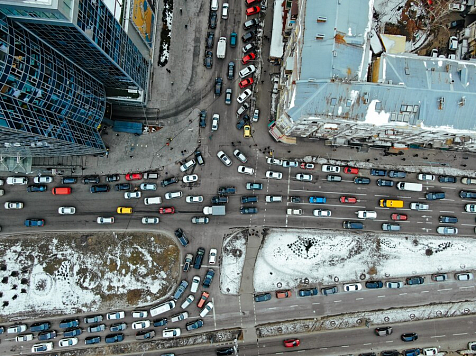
x: 186, y: 166
x: 194, y: 199
x: 173, y: 195
x: 132, y: 195
x: 43, y: 179
x: 304, y: 177
x: 24, y: 337
x: 195, y: 284
x: 179, y: 317
x: 141, y: 324
x: 13, y: 205
x: 17, y: 180
x: 424, y: 176
x: 140, y: 314
x: 275, y: 161
x: 212, y: 256
x: 150, y: 220
x: 247, y: 71
x: 208, y: 307
x: 172, y: 332
x: 66, y: 210
x: 215, y: 121
x: 105, y: 220
x: 224, y: 158
x: 190, y: 178
x: 246, y: 170
x: 243, y: 96
x: 274, y: 175
x: 116, y: 315
x: 330, y: 169
x: 430, y: 351
x: 321, y: 213
x: 366, y: 214
x: 238, y: 154
x: 69, y: 341
x: 349, y: 287
x: 148, y: 186
x: 42, y: 347
x: 189, y: 300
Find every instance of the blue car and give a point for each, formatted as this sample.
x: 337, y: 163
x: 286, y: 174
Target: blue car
x: 308, y: 292
x: 34, y: 222
x: 317, y: 200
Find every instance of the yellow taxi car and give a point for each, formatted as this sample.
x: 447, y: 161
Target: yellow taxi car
x: 247, y: 131
x: 124, y: 210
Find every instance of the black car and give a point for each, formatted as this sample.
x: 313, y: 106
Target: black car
x: 203, y: 118
x: 181, y: 236
x: 218, y: 86
x: 72, y: 332
x: 248, y: 36
x: 397, y: 174
x: 231, y: 70
x: 208, y: 60
x: 447, y: 179
x: 92, y: 340
x: 103, y: 188
x: 385, y: 183
x: 249, y: 210
x: 212, y: 21
x: 168, y: 181
x: 113, y: 178
x: 409, y: 337
x: 378, y: 172
x: 111, y: 338
x: 36, y: 188
x: 197, y: 263
x: 374, y: 284
x: 47, y: 335
x: 225, y: 351
x: 122, y: 186
x: 160, y: 322
x: 209, y: 40
x: 361, y: 180
x: 91, y: 180
x: 467, y: 194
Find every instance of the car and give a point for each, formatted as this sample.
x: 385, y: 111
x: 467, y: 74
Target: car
x: 351, y: 170
x: 425, y: 176
x: 13, y: 205
x: 256, y: 118
x: 43, y: 179
x: 249, y: 57
x: 470, y: 208
x: 93, y: 319
x: 192, y: 325
x: 252, y: 10
x: 150, y: 220
x: 347, y: 224
x: 447, y: 179
x: 212, y: 255
x: 248, y: 47
x: 34, y: 222
x: 329, y: 290
x: 208, y: 278
x: 250, y: 23
x: 218, y: 85
x: 321, y: 213
x: 97, y: 328
x: 308, y: 292
x: 168, y: 181
x: 248, y: 36
x: 429, y: 351
x: 122, y: 186
x: 350, y: 287
x: 141, y: 324
x: 249, y: 210
x: 247, y: 71
x: 419, y: 206
x: 274, y: 175
x: 385, y: 183
x: 132, y: 176
x: 148, y: 186
x: 173, y: 195
x: 113, y: 338
x: 197, y: 263
x: 243, y: 96
x: 361, y: 180
x: 408, y: 337
x: 390, y: 227
x: 200, y: 220
x: 40, y: 326
x: 378, y: 172
x: 394, y: 284
x: 246, y: 170
x: 115, y: 315
x: 124, y: 210
x: 187, y: 165
x: 92, y: 340
x: 215, y: 122
x: 212, y: 20
x: 181, y: 237
x: 68, y: 323
x: 42, y: 347
x: 47, y: 335
x: 374, y: 284
x: 435, y: 196
x: 399, y: 217
x: 262, y: 297
x: 238, y: 154
x: 467, y: 194
x: 246, y: 82
x: 330, y: 168
x: 280, y: 294
x: 304, y: 177
x: 233, y: 39
x: 132, y: 195
x: 203, y: 299
x: 247, y: 131
x: 208, y: 63
x: 194, y: 199
x: 36, y: 188
x: 17, y: 180
x: 291, y: 343
x: 24, y: 338
x: 397, y: 174
x: 172, y: 332
x: 366, y: 214
x: 414, y: 280
x: 447, y: 230
x: 463, y: 276
x: 383, y: 331
x: 254, y: 186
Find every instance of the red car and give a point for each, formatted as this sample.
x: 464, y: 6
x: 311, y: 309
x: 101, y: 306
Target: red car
x: 351, y: 170
x: 280, y: 294
x: 291, y: 342
x: 170, y: 210
x: 252, y: 10
x: 248, y: 57
x: 348, y: 200
x: 134, y: 176
x: 397, y: 217
x: 246, y: 82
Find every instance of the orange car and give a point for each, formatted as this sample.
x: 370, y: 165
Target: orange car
x: 283, y: 294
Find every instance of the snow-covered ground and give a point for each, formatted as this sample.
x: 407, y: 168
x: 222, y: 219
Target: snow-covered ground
x: 233, y: 259
x: 288, y: 257
x: 69, y: 273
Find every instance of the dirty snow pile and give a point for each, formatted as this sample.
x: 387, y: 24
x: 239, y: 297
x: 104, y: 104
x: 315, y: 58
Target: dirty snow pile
x: 288, y: 257
x: 233, y: 260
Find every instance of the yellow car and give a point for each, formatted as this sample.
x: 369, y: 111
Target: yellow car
x: 124, y: 210
x: 247, y: 131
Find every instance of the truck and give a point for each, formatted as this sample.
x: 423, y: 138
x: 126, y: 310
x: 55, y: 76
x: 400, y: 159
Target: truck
x: 127, y: 126
x: 414, y: 187
x: 221, y: 47
x: 214, y: 210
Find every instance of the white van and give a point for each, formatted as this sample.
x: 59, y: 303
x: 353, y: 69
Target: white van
x: 214, y: 5
x: 162, y: 308
x: 152, y: 200
x: 414, y: 187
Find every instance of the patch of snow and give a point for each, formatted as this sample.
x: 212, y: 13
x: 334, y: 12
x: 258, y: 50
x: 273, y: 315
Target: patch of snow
x: 233, y: 260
